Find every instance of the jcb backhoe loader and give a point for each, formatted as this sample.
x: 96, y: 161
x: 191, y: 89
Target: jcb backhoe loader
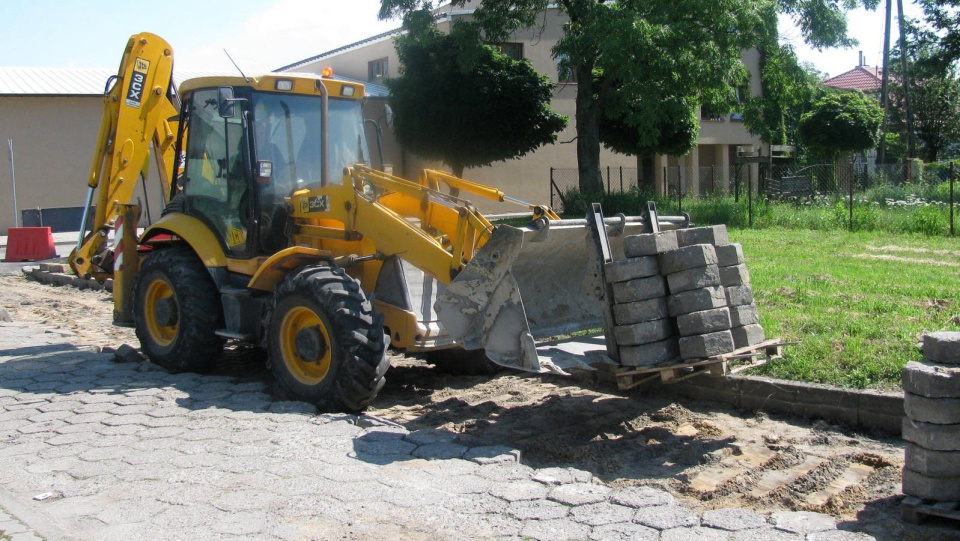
x: 276, y: 233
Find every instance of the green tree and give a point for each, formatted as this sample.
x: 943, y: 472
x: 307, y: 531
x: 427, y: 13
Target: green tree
x: 841, y: 122
x: 934, y: 95
x: 468, y: 113
x: 789, y: 89
x: 649, y: 48
x: 943, y: 16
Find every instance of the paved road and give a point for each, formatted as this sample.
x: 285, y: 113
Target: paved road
x: 91, y: 448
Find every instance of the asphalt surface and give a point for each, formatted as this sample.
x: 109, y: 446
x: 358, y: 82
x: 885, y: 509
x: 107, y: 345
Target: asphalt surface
x: 92, y: 448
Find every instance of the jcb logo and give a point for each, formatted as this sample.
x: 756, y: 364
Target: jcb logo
x: 138, y: 81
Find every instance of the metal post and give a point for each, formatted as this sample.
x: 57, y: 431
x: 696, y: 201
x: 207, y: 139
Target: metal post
x: 608, y: 180
x: 551, y: 187
x: 679, y: 189
x: 951, y: 199
x: 749, y: 195
x: 13, y: 183
x: 621, y: 179
x: 851, y: 203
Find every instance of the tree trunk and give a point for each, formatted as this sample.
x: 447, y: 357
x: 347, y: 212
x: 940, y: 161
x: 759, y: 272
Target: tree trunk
x: 588, y: 133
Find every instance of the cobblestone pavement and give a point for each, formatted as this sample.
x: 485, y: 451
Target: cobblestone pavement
x: 91, y: 448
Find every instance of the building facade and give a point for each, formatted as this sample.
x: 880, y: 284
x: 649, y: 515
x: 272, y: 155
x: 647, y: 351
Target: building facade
x: 706, y: 168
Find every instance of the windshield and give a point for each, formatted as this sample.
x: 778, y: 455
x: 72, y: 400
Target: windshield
x: 288, y: 134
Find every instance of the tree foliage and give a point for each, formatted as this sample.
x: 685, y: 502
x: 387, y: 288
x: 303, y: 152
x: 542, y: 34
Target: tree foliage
x: 468, y: 113
x: 944, y: 18
x: 631, y: 56
x: 934, y: 95
x: 841, y: 122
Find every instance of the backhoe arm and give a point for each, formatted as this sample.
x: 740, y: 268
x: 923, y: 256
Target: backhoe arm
x: 139, y: 109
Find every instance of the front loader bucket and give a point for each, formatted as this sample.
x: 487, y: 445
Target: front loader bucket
x: 529, y: 283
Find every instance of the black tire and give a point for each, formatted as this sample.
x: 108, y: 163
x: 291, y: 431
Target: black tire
x: 177, y: 311
x: 325, y: 341
x: 461, y: 362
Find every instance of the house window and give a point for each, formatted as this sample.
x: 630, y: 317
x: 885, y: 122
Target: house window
x: 743, y: 92
x: 512, y: 50
x: 565, y: 72
x: 377, y: 70
x: 706, y: 113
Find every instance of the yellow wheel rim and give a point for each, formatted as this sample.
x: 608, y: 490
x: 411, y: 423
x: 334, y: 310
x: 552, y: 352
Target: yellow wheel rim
x: 305, y: 345
x: 159, y: 291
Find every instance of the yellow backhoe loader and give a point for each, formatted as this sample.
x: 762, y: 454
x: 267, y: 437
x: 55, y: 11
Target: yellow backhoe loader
x: 277, y: 232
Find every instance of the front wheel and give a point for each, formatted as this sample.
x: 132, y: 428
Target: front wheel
x: 325, y: 341
x: 177, y: 311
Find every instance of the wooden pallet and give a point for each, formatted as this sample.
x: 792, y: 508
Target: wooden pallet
x: 718, y: 365
x: 914, y: 510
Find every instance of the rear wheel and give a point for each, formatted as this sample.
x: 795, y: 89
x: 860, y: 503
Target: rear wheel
x: 177, y: 311
x: 325, y: 341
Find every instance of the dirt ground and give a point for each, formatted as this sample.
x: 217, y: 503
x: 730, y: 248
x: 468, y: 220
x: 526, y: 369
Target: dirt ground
x: 707, y: 454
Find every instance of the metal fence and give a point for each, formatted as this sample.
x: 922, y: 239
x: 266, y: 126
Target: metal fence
x: 857, y: 184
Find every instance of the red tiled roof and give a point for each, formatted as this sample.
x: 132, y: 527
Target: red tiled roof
x: 863, y: 78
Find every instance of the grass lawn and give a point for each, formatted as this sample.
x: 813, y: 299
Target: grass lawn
x: 858, y: 303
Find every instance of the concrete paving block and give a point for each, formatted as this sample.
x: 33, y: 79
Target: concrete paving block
x: 562, y: 476
x: 493, y: 454
x: 537, y: 510
x: 942, y: 489
x: 704, y: 321
x: 747, y: 335
x: 696, y: 300
x: 697, y: 278
x: 745, y: 314
x: 640, y: 289
x: 643, y: 333
x: 630, y: 268
x: 712, y: 234
x: 128, y: 354
x: 652, y: 354
x: 732, y: 520
x: 939, y: 411
x: 739, y: 295
x: 931, y: 436
x: 579, y: 494
x: 598, y: 514
x: 706, y: 345
x: 930, y: 379
x: 689, y: 257
x: 650, y: 243
x: 638, y: 497
x: 932, y: 463
x: 730, y: 254
x: 635, y: 312
x: 666, y: 517
x: 802, y: 522
x: 624, y: 531
x: 735, y: 275
x: 561, y: 529
x: 941, y: 347
x: 5, y: 316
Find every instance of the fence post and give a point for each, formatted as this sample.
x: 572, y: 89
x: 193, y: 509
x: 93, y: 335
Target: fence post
x: 621, y: 179
x: 749, y: 196
x: 551, y: 187
x: 666, y: 184
x: 951, y: 199
x: 851, y: 203
x: 608, y: 180
x: 13, y: 184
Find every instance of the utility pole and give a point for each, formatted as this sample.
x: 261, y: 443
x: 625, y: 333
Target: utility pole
x: 884, y: 99
x: 906, y: 81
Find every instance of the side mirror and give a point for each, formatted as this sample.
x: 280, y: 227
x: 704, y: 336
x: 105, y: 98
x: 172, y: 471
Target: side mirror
x: 225, y: 101
x: 388, y: 114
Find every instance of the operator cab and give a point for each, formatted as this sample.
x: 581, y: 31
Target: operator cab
x: 250, y: 145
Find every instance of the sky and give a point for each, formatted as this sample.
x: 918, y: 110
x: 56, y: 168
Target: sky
x: 262, y: 35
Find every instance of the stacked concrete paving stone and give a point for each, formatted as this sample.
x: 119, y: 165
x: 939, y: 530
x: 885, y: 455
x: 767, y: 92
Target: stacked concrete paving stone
x: 931, y: 426
x: 682, y: 295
